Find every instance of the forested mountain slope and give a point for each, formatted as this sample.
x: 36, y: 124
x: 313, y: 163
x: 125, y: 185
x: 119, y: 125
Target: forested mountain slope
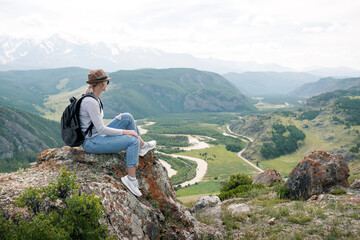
x: 22, y: 136
x: 142, y: 92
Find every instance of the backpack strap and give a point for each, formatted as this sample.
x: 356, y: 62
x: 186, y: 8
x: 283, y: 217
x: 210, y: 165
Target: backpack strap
x: 89, y: 129
x: 93, y: 96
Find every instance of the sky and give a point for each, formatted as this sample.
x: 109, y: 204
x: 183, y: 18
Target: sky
x: 296, y: 34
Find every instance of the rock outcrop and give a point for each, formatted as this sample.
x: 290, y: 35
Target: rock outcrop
x: 317, y: 173
x: 356, y: 184
x: 205, y: 202
x: 155, y: 215
x: 267, y: 177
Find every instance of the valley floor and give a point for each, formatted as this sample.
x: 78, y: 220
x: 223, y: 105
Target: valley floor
x: 221, y: 163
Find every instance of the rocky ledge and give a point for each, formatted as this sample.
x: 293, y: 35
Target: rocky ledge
x: 155, y: 215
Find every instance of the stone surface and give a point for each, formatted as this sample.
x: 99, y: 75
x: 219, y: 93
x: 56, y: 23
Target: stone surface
x: 313, y: 198
x: 267, y: 177
x: 205, y: 202
x: 155, y: 215
x: 356, y: 184
x: 239, y: 209
x: 317, y: 173
x: 271, y: 221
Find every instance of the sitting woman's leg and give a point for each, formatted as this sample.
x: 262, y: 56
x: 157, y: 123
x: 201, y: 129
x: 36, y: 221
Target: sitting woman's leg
x: 125, y: 121
x: 111, y: 144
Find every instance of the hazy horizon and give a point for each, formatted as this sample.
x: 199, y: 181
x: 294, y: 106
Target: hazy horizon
x: 292, y: 34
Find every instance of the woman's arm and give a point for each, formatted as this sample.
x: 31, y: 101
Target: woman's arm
x: 92, y: 106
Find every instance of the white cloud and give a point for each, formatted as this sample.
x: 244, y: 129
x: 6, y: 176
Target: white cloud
x: 333, y: 27
x: 291, y: 33
x: 313, y: 29
x: 324, y: 27
x: 32, y: 20
x: 254, y: 20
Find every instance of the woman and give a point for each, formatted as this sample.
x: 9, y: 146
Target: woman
x: 120, y: 134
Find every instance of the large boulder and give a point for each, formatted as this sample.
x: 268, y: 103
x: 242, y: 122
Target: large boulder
x: 239, y: 209
x: 155, y: 215
x: 267, y: 177
x: 317, y: 173
x: 206, y: 202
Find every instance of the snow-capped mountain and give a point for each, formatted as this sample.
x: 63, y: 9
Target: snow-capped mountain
x: 55, y: 52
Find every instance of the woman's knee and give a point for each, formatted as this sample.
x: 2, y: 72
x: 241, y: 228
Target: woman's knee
x: 134, y: 141
x: 127, y: 116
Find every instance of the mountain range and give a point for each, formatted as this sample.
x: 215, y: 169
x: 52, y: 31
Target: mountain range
x: 325, y: 85
x: 260, y: 83
x: 58, y: 52
x: 144, y: 92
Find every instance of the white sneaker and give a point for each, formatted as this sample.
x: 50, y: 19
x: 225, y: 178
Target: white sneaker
x: 147, y: 146
x: 131, y: 185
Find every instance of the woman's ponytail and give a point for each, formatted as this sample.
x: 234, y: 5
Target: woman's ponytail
x: 89, y: 89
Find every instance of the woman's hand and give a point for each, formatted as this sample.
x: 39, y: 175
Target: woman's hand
x: 130, y: 133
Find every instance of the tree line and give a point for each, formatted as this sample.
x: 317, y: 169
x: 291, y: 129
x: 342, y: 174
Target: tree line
x: 282, y: 143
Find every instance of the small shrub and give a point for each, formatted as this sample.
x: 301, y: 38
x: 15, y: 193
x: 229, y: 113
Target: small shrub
x: 243, y: 191
x: 236, y: 180
x: 282, y: 191
x: 75, y: 216
x: 338, y: 192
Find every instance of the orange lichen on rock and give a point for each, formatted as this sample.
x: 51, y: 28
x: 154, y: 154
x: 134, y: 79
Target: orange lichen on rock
x: 317, y: 173
x: 267, y: 177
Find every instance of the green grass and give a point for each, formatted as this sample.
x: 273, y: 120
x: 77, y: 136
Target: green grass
x: 189, y: 201
x: 354, y: 171
x: 206, y: 188
x: 299, y: 218
x: 221, y: 168
x: 224, y: 164
x: 338, y: 192
x: 168, y: 141
x: 314, y: 141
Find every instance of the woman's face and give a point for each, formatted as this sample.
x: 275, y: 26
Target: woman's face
x: 104, y: 86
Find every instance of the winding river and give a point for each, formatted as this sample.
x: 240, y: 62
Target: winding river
x: 195, y: 144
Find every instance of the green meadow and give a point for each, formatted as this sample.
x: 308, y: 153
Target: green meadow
x: 221, y: 165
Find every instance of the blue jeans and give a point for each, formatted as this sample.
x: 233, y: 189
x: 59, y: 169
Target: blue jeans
x: 110, y: 144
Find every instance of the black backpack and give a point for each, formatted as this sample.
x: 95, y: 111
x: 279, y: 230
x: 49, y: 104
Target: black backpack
x: 70, y: 123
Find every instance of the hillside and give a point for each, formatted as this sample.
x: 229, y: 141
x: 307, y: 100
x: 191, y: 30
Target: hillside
x: 329, y: 121
x: 142, y: 92
x: 22, y: 136
x: 325, y: 85
x: 27, y: 89
x: 260, y: 83
x: 153, y: 92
